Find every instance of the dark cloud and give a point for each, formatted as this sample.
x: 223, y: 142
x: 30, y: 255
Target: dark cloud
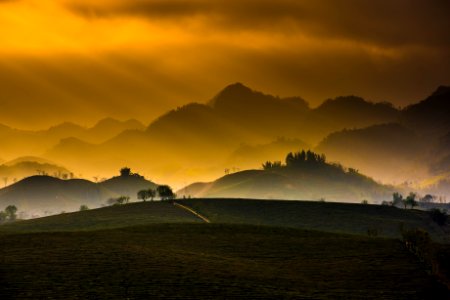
x: 383, y: 22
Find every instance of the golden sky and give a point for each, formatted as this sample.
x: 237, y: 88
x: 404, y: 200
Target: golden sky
x: 80, y: 60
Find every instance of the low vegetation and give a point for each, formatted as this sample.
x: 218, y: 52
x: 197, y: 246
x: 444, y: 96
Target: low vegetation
x: 210, y: 261
x: 318, y: 215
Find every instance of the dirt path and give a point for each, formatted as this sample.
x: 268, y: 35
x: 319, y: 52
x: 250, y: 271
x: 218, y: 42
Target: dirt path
x: 192, y: 212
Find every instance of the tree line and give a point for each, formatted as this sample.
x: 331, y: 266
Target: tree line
x: 164, y: 192
x: 297, y: 159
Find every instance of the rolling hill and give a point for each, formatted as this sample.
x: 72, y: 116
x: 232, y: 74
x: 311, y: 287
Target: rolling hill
x: 40, y: 195
x: 300, y: 179
x: 344, y: 218
x: 44, y: 195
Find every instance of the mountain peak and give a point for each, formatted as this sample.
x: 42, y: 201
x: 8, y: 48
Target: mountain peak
x: 233, y: 91
x: 237, y: 87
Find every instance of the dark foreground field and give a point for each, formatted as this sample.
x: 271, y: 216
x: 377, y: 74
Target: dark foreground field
x: 252, y: 249
x: 204, y: 261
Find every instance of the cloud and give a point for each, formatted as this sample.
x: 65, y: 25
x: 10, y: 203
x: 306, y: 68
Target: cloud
x: 385, y: 22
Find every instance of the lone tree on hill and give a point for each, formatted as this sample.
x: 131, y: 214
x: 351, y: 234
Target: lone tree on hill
x: 84, y: 207
x: 11, y: 212
x: 165, y: 192
x: 125, y: 172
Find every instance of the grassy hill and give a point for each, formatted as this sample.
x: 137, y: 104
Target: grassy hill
x: 38, y: 194
x: 210, y: 261
x: 323, y: 216
x: 106, y: 218
x: 299, y: 178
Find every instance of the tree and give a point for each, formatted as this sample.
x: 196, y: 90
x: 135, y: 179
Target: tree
x: 165, y: 192
x: 428, y: 198
x: 411, y: 200
x: 123, y: 200
x: 272, y: 165
x: 125, y: 172
x: 143, y: 195
x: 146, y: 194
x: 84, y: 207
x: 397, y: 199
x: 11, y: 212
x: 3, y: 216
x: 118, y: 201
x: 151, y: 194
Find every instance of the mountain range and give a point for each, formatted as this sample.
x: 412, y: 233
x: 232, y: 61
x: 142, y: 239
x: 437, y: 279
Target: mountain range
x: 240, y: 128
x: 18, y: 142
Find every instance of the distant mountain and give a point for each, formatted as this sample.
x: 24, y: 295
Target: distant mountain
x: 199, y: 141
x: 252, y: 156
x: 349, y: 112
x: 17, y: 142
x: 21, y: 159
x: 305, y: 180
x: 264, y: 117
x: 440, y: 160
x: 194, y: 127
x: 389, y: 152
x: 28, y: 166
x: 430, y: 117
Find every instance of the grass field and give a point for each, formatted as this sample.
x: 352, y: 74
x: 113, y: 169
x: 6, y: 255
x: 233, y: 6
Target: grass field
x: 328, y: 216
x: 253, y: 249
x: 204, y: 261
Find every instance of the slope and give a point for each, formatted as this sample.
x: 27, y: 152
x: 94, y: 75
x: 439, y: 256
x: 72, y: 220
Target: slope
x: 38, y: 195
x: 106, y: 218
x: 330, y: 217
